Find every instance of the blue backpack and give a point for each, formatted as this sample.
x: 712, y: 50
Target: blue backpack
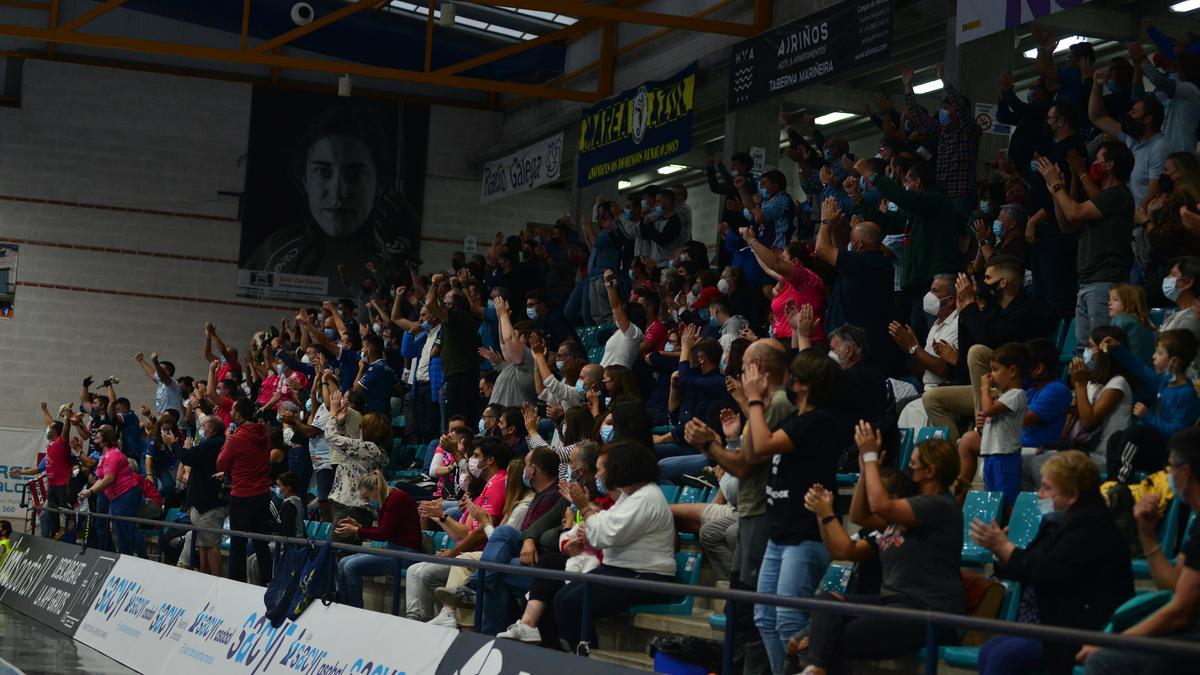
x: 303, y: 573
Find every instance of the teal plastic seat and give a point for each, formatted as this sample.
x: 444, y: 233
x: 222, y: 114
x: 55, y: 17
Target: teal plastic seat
x: 691, y: 495
x: 1066, y: 348
x: 847, y: 479
x: 687, y: 571
x: 1025, y: 520
x: 837, y: 578
x: 587, y: 336
x: 324, y: 531
x: 310, y: 528
x: 929, y: 433
x: 670, y: 492
x: 907, y: 436
x: 1159, y: 314
x: 595, y: 354
x: 967, y: 658
x: 983, y: 506
x: 716, y: 621
x: 1168, y: 538
x: 225, y: 537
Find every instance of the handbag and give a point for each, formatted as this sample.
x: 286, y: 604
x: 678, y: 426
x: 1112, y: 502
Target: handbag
x: 291, y: 561
x: 316, y: 581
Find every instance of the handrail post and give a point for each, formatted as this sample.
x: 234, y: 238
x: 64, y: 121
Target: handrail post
x: 931, y: 648
x: 480, y: 594
x: 585, y: 623
x: 727, y: 648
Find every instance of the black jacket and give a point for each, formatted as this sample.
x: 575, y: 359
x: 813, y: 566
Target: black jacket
x: 203, y: 491
x: 1023, y: 319
x: 1079, y: 569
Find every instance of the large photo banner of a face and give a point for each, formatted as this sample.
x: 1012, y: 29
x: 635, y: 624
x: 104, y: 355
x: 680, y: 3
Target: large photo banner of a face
x: 334, y: 186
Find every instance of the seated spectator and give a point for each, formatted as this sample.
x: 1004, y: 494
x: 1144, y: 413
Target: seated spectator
x: 398, y: 526
x: 807, y: 445
x: 636, y: 538
x: 1074, y: 573
x: 920, y: 553
x: 1177, y: 618
x: 714, y: 523
x: 625, y: 344
x: 1179, y: 286
x: 619, y: 383
x: 1143, y: 445
x: 1128, y: 311
x: 928, y: 362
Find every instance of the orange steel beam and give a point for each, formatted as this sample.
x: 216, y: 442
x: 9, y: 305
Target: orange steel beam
x: 517, y: 48
x: 245, y: 38
x: 52, y: 24
x: 429, y: 38
x: 320, y: 22
x: 610, y: 13
x: 762, y: 15
x: 608, y: 59
x: 89, y: 15
x: 27, y: 4
x: 296, y: 63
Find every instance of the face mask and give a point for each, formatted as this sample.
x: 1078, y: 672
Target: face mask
x: 734, y: 173
x: 1170, y: 288
x: 305, y: 360
x: 747, y: 215
x: 200, y: 433
x: 1089, y: 357
x: 1096, y: 172
x: 473, y: 467
x: 525, y: 480
x: 1111, y: 86
x: 1166, y: 183
x: 892, y: 207
x: 1045, y: 506
x: 279, y: 368
x: 834, y: 355
x: 425, y: 325
x: 481, y: 426
x: 560, y: 365
x: 713, y: 321
x: 377, y: 327
x: 600, y: 489
x: 762, y: 192
x: 645, y: 203
x: 288, y: 435
x: 723, y: 286
x: 985, y: 206
x: 931, y: 304
x: 331, y: 334
x: 669, y: 347
x: 277, y: 492
x: 1033, y: 167
x: 827, y: 154
x: 532, y: 313
x: 997, y: 228
x: 607, y: 432
x: 944, y: 117
x: 341, y: 314
x: 691, y: 298
x: 862, y: 183
x: 989, y: 291
x: 724, y: 362
x: 579, y: 387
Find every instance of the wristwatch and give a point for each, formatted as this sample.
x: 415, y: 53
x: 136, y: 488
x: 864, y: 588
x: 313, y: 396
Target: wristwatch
x: 441, y: 518
x: 913, y: 349
x: 828, y: 519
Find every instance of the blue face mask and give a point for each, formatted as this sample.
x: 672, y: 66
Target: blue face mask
x: 747, y: 215
x: 724, y: 362
x: 762, y: 192
x: 600, y: 489
x: 1033, y: 168
x: 827, y: 154
x: 570, y: 475
x: 481, y: 426
x: 892, y: 207
x: 627, y: 213
x: 277, y: 492
x: 1111, y: 86
x: 425, y: 325
x: 532, y: 313
x: 1170, y: 288
x: 703, y: 313
x: 862, y: 183
x: 658, y: 210
x: 374, y: 504
x: 200, y: 433
x: 331, y: 333
x: 525, y: 480
x: 997, y: 228
x: 944, y: 117
x: 579, y: 387
x: 607, y: 432
x: 985, y: 206
x: 712, y: 321
x: 1089, y: 357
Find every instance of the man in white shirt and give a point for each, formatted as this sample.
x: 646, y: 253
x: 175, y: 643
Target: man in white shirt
x: 626, y: 343
x: 928, y: 362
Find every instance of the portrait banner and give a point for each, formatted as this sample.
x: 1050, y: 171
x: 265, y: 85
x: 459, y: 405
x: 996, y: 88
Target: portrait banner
x: 815, y: 48
x: 643, y: 126
x: 522, y: 170
x: 8, y: 279
x: 333, y: 194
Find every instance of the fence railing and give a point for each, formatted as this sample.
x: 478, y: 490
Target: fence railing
x: 932, y: 620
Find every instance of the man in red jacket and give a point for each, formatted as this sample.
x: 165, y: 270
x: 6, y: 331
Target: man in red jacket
x: 245, y: 460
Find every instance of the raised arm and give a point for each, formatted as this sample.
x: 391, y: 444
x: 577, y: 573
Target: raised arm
x: 614, y: 301
x: 209, y: 330
x: 47, y: 418
x: 337, y: 319
x: 1071, y: 215
x: 431, y: 301
x: 159, y: 370
x: 211, y: 392
x: 766, y: 257
x: 825, y: 249
x: 879, y: 502
x: 1096, y: 112
x: 146, y: 367
x: 317, y: 335
x: 510, y: 342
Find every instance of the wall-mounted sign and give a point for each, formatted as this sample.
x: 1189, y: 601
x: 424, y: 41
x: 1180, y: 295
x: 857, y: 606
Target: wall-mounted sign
x: 522, y: 170
x: 639, y: 127
x: 817, y: 47
x: 977, y: 18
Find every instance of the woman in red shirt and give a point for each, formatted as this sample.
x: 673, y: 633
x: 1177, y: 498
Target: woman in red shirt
x: 399, y: 528
x: 797, y: 283
x: 119, y: 485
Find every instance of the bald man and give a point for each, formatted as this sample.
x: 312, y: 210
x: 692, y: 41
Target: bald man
x: 864, y: 288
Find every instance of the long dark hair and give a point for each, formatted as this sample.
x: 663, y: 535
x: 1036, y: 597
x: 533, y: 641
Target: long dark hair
x: 1104, y: 366
x: 631, y: 423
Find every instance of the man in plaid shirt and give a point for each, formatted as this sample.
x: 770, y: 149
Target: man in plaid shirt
x: 958, y: 139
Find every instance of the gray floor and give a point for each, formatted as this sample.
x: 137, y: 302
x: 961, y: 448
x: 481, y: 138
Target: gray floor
x: 32, y: 648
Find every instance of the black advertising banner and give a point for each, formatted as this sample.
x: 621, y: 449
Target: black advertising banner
x: 817, y: 47
x: 639, y: 127
x: 332, y: 185
x: 475, y: 654
x: 53, y: 582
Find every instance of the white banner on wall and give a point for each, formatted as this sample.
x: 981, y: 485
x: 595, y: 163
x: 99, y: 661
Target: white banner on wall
x: 977, y: 18
x: 156, y: 618
x: 19, y: 449
x: 523, y: 170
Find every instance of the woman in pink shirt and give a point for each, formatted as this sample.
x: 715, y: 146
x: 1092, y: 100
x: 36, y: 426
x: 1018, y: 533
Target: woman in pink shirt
x: 797, y: 283
x: 118, y: 483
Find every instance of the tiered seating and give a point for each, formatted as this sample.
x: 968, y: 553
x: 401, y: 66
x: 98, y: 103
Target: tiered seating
x: 983, y: 506
x: 687, y: 571
x: 1168, y: 538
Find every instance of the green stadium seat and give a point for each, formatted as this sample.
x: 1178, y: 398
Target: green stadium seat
x: 907, y: 438
x: 1168, y: 538
x: 1159, y: 314
x: 1025, y: 520
x: 687, y: 571
x: 670, y: 492
x: 836, y: 579
x: 983, y: 506
x: 691, y: 495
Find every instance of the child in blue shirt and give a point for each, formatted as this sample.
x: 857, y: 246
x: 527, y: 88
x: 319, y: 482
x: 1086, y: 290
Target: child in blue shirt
x: 1142, y: 447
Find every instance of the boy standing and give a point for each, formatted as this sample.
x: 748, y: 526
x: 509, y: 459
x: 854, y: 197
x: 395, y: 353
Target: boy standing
x: 1002, y: 419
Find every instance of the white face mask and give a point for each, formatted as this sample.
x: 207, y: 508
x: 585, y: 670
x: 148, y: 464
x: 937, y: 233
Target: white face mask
x: 723, y: 286
x: 834, y: 355
x: 473, y: 467
x: 1045, y: 506
x: 377, y: 327
x: 931, y: 304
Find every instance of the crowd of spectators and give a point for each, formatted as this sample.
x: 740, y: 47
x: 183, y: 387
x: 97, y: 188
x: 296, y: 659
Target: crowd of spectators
x: 551, y: 385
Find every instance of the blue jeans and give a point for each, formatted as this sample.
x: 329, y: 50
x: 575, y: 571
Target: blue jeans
x: 671, y: 469
x: 1091, y: 311
x: 794, y: 572
x: 1010, y: 654
x: 495, y: 601
x: 353, y: 568
x: 578, y: 310
x: 98, y: 535
x: 665, y: 450
x: 126, y: 533
x: 165, y: 482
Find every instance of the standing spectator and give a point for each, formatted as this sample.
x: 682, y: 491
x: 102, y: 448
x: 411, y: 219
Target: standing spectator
x: 768, y: 207
x: 460, y: 347
x: 661, y: 229
x: 245, y: 460
x: 958, y: 139
x: 1182, y: 95
x: 230, y: 367
x: 1075, y: 572
x: 423, y: 344
x: 167, y: 396
x: 58, y: 470
x: 118, y: 483
x: 1003, y: 417
x: 203, y: 490
x: 359, y: 456
x: 798, y: 284
x: 128, y: 425
x: 625, y: 345
x: 803, y: 453
x: 1141, y: 132
x: 376, y: 378
x: 549, y: 319
x: 399, y: 526
x: 514, y: 386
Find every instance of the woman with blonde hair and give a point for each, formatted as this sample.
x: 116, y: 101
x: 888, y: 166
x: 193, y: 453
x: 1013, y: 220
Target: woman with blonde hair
x: 360, y: 456
x: 1073, y: 574
x: 399, y: 526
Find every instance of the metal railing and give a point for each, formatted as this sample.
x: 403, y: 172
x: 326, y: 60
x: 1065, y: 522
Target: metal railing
x: 933, y: 620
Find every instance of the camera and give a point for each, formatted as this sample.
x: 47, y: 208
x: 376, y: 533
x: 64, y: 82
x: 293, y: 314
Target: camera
x: 302, y: 13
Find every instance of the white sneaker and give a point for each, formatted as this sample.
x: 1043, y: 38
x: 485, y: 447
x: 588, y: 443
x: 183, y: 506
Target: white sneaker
x: 520, y: 632
x: 445, y: 618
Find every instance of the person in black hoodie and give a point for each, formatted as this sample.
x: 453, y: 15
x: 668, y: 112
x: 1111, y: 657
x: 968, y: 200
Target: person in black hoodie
x: 1074, y: 573
x: 204, y: 491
